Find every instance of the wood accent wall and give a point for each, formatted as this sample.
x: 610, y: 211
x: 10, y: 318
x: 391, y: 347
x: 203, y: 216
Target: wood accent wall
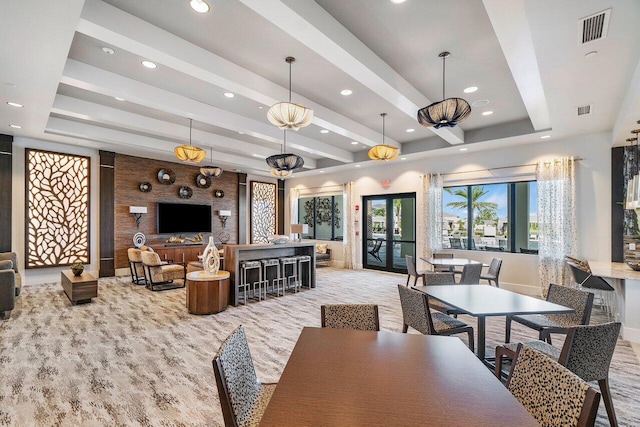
x: 242, y: 208
x: 6, y: 187
x: 131, y: 171
x: 107, y: 173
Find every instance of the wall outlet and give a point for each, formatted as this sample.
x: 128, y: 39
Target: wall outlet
x: 632, y: 246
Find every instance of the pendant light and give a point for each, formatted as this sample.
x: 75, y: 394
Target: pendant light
x: 383, y: 151
x: 189, y: 152
x: 445, y: 113
x: 211, y: 171
x: 283, y: 164
x: 287, y: 115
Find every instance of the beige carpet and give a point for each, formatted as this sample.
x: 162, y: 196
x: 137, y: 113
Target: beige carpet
x: 135, y: 357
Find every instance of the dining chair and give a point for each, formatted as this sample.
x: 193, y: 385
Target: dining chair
x: 456, y: 243
x: 350, y: 316
x: 587, y: 352
x: 376, y: 248
x: 416, y: 314
x: 551, y: 393
x: 243, y: 397
x: 411, y: 270
x: 440, y: 278
x: 584, y: 278
x: 470, y: 274
x: 442, y: 255
x: 493, y: 272
x: 546, y: 324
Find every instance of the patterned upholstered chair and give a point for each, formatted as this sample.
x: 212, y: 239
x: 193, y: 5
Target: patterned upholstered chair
x: 442, y: 255
x: 470, y: 274
x: 136, y: 267
x: 161, y: 275
x: 416, y: 314
x: 440, y: 278
x: 547, y: 324
x: 587, y: 352
x: 494, y: 272
x: 350, y: 316
x: 243, y: 397
x: 550, y: 392
x: 411, y: 270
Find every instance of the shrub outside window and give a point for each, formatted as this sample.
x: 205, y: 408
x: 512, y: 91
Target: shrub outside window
x: 323, y: 215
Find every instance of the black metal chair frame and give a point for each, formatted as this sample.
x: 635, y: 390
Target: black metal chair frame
x: 376, y: 248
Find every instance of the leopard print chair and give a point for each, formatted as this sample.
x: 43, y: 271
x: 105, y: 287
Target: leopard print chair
x: 243, y: 397
x: 416, y: 314
x: 350, y: 316
x: 550, y: 392
x: 587, y: 352
x: 546, y: 324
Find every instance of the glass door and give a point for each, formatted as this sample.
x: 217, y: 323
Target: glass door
x: 389, y: 231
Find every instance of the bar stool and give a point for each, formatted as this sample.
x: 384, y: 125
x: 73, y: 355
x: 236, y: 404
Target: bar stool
x: 245, y: 268
x: 293, y: 262
x: 275, y: 283
x: 301, y: 260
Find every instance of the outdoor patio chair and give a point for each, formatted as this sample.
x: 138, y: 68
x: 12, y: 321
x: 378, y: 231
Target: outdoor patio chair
x: 376, y: 248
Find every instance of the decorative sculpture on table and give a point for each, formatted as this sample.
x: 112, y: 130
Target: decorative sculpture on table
x: 211, y: 258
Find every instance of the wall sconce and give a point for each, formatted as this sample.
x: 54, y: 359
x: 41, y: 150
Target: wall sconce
x: 137, y: 212
x: 298, y: 229
x: 224, y: 215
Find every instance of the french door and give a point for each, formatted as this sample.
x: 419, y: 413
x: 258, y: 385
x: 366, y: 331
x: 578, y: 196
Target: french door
x: 389, y: 231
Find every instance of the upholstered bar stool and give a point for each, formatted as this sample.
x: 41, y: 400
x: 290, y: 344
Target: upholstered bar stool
x: 245, y: 269
x: 275, y: 283
x: 293, y: 262
x: 302, y: 259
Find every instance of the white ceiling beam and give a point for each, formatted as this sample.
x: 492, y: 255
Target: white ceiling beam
x: 311, y: 25
x: 96, y: 80
x: 510, y: 23
x: 117, y: 28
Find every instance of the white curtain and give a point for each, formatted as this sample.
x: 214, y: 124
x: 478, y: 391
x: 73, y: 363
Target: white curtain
x: 556, y: 219
x: 431, y: 214
x: 294, y: 195
x: 349, y: 238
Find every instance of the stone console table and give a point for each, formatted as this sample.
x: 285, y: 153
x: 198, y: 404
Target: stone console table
x: 627, y: 285
x: 235, y: 254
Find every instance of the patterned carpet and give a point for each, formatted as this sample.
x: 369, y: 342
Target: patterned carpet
x: 135, y: 357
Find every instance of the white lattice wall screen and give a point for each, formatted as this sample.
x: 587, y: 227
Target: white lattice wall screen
x: 57, y: 209
x: 263, y: 211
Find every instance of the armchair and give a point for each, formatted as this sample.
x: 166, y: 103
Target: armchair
x: 10, y: 283
x: 160, y: 275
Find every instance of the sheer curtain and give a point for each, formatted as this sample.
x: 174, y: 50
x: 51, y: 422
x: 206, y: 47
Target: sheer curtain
x: 431, y: 215
x: 294, y: 195
x: 349, y: 238
x: 556, y: 219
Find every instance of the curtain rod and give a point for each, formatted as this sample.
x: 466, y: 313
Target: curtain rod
x: 576, y: 159
x: 319, y: 188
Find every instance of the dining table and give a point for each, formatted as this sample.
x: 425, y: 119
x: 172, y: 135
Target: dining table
x: 337, y: 377
x: 451, y: 262
x: 482, y: 301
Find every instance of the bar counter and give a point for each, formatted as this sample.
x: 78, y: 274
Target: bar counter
x: 235, y: 254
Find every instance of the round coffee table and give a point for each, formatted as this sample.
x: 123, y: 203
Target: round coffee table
x: 207, y: 293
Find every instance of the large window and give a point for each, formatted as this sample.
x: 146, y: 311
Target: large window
x: 491, y: 217
x: 323, y: 216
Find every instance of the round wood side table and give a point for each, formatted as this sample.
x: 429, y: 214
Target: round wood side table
x: 207, y: 293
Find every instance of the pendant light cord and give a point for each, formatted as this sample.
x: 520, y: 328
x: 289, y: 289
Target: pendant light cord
x: 383, y: 114
x: 190, y: 120
x: 289, y: 82
x: 444, y: 62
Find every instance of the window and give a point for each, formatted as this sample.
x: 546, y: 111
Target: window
x: 491, y: 217
x: 323, y: 215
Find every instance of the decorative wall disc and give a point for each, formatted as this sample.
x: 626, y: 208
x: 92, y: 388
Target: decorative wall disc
x: 224, y: 236
x: 166, y: 176
x: 203, y: 181
x: 219, y: 194
x: 145, y: 187
x: 139, y: 239
x: 185, y: 192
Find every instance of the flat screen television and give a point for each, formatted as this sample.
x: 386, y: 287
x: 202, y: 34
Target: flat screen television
x: 183, y: 218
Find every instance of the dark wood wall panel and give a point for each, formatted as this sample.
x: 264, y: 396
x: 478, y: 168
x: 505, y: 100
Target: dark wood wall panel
x: 131, y: 171
x: 6, y: 158
x: 242, y: 208
x: 107, y: 203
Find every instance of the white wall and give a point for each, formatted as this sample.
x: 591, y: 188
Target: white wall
x: 46, y: 275
x: 593, y: 192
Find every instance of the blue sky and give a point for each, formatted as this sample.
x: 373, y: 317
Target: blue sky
x: 497, y: 194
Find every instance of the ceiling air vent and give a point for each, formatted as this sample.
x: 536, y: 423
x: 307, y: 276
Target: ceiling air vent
x: 584, y: 110
x: 594, y: 27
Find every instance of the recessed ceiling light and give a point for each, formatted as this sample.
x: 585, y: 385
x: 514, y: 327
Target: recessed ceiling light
x: 200, y: 6
x: 480, y: 103
x: 260, y: 107
x: 240, y: 132
x: 108, y: 50
x: 471, y: 89
x: 487, y: 113
x: 410, y: 130
x: 16, y: 126
x: 14, y: 104
x: 324, y: 131
x: 583, y: 130
x: 229, y: 94
x: 545, y: 137
x: 590, y: 54
x: 357, y: 166
x: 321, y: 171
x: 118, y: 98
x: 398, y: 1
x: 149, y: 64
x: 354, y: 142
x: 403, y: 158
x: 346, y: 92
x: 463, y: 149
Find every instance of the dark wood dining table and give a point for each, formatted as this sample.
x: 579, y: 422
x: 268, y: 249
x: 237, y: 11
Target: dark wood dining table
x: 482, y: 301
x: 343, y: 377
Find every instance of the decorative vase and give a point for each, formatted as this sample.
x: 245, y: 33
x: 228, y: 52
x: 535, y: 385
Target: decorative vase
x: 77, y: 268
x: 211, y: 258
